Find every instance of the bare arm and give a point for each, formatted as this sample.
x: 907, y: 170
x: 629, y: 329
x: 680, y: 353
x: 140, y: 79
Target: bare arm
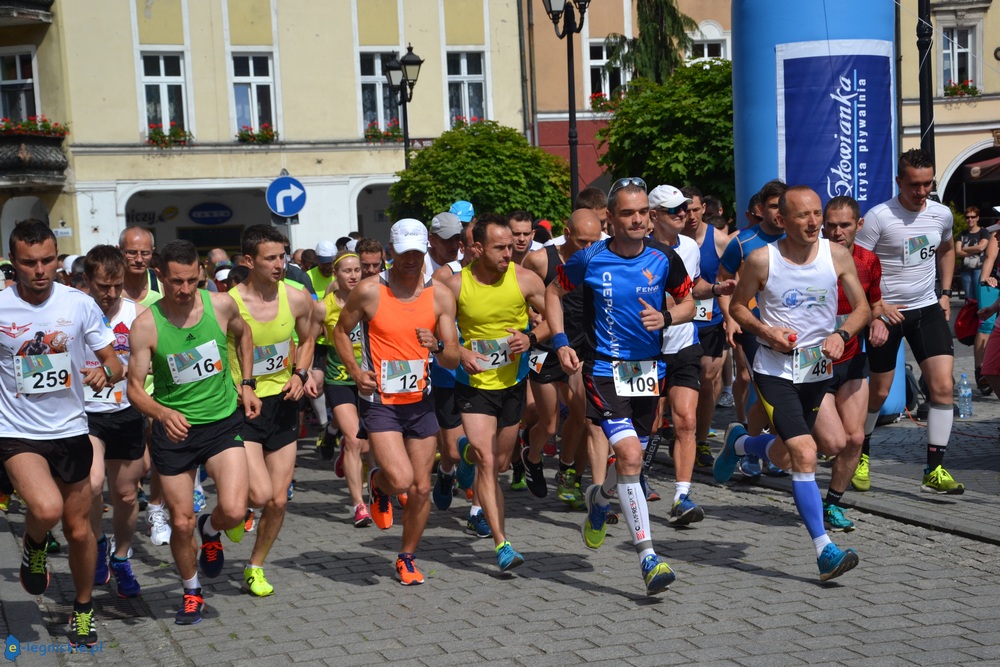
x: 361, y: 299
x: 753, y: 277
x: 847, y: 274
x: 554, y: 318
x: 303, y: 309
x: 533, y: 291
x: 227, y: 311
x: 989, y: 261
x: 447, y: 333
x: 142, y: 345
x: 946, y: 270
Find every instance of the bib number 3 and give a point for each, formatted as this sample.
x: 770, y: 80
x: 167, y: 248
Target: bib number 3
x: 636, y: 378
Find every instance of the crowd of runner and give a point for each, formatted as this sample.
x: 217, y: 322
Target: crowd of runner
x: 466, y: 348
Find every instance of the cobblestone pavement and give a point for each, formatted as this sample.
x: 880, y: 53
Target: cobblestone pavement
x: 927, y: 590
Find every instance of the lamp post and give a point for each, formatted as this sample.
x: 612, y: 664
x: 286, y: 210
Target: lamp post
x: 567, y: 10
x: 401, y: 75
x: 925, y: 32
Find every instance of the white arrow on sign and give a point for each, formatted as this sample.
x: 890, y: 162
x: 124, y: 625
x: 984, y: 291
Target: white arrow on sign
x: 293, y: 192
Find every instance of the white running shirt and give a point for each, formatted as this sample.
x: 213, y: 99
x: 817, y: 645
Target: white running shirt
x: 105, y: 400
x: 49, y: 343
x: 676, y: 338
x: 906, y: 243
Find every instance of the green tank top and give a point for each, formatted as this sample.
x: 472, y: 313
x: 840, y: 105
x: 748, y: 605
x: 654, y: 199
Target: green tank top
x: 191, y: 367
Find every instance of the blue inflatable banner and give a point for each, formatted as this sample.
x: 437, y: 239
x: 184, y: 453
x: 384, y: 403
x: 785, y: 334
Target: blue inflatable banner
x: 836, y: 110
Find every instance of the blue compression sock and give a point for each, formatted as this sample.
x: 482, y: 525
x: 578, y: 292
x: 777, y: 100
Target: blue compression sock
x: 757, y: 445
x: 808, y: 502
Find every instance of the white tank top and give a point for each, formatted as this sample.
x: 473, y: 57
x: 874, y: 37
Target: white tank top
x: 107, y: 400
x: 676, y: 338
x: 799, y: 297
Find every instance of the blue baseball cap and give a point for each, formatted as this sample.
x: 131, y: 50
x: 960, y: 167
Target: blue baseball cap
x: 463, y: 210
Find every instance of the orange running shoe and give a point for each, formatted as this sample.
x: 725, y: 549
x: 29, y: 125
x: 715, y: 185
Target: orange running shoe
x: 407, y: 571
x: 401, y: 499
x: 378, y: 503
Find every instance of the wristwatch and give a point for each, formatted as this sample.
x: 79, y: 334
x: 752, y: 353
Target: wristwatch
x: 532, y: 339
x: 252, y: 383
x: 946, y: 292
x: 107, y: 373
x: 885, y: 318
x: 303, y: 375
x: 843, y: 334
x: 440, y: 347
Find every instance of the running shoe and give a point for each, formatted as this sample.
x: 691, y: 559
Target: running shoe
x: 833, y: 562
x: 861, y: 480
x: 647, y: 490
x: 192, y: 607
x: 833, y: 517
x: 82, y: 629
x: 939, y: 481
x: 112, y: 549
x: 517, y: 482
x: 51, y: 543
x: 256, y: 582
x: 401, y: 499
x: 984, y: 385
x: 141, y: 498
x: 34, y: 572
x: 595, y: 525
x: 726, y: 400
x: 362, y: 517
x: 381, y: 508
x: 611, y: 517
x: 101, y: 572
x: 703, y: 455
x: 236, y: 533
x: 465, y: 471
x: 534, y: 475
x: 199, y: 501
x: 551, y: 449
x: 250, y: 522
x: 749, y: 467
x: 657, y: 574
x: 338, y: 465
x: 157, y: 526
x: 773, y: 470
x: 407, y: 571
x: 507, y: 558
x: 125, y: 582
x: 685, y: 512
x: 725, y: 463
x: 441, y: 493
x: 477, y: 525
x: 291, y: 489
x: 4, y: 502
x: 566, y: 485
x: 211, y: 559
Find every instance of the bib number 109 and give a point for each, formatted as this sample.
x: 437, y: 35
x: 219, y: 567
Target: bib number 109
x: 636, y: 378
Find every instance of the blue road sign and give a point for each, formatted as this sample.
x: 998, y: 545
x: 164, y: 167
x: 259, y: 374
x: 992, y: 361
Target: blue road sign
x: 285, y: 196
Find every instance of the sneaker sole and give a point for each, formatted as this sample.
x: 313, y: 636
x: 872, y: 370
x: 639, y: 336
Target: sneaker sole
x: 953, y: 492
x: 691, y: 516
x: 258, y: 595
x: 29, y: 591
x: 513, y: 564
x: 716, y: 469
x: 586, y: 521
x: 364, y: 523
x: 660, y: 583
x: 846, y: 564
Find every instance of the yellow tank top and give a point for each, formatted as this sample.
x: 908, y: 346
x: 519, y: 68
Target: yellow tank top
x: 484, y: 314
x: 273, y: 349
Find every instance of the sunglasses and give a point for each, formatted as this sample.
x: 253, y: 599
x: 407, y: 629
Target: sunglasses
x: 625, y: 182
x: 673, y: 210
x: 758, y: 218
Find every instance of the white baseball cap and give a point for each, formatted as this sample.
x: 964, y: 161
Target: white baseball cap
x: 67, y: 265
x: 326, y: 251
x: 667, y: 196
x: 408, y: 234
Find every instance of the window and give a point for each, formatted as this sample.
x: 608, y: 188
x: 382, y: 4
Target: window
x: 253, y: 90
x: 17, y: 86
x: 602, y: 81
x: 956, y: 46
x: 163, y: 82
x: 377, y: 104
x: 709, y: 41
x: 708, y: 49
x: 466, y: 87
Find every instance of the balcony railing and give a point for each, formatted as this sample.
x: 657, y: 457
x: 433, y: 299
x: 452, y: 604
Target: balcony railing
x: 25, y: 12
x: 32, y: 161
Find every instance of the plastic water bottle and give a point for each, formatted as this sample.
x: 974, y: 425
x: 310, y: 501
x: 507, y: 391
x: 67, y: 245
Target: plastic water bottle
x: 964, y: 398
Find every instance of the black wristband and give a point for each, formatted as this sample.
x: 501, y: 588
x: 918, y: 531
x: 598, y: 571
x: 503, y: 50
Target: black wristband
x: 714, y: 285
x: 946, y: 292
x: 532, y: 339
x: 667, y: 318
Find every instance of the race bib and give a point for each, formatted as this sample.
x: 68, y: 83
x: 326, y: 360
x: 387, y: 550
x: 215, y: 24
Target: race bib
x: 809, y: 364
x: 496, y: 351
x: 112, y: 393
x: 268, y: 359
x: 536, y: 358
x: 355, y: 335
x: 636, y: 378
x: 919, y: 249
x: 703, y: 310
x: 195, y: 365
x: 401, y: 377
x: 43, y: 373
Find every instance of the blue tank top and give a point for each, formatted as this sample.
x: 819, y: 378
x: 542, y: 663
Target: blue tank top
x: 710, y: 272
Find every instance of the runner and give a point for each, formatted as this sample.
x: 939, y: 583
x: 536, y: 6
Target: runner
x: 627, y: 280
x: 493, y: 294
x: 794, y: 281
x: 273, y: 311
x: 911, y: 235
x: 399, y: 311
x: 117, y: 430
x: 194, y: 405
x: 43, y: 426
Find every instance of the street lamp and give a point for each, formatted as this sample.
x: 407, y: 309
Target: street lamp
x: 401, y: 75
x: 564, y: 9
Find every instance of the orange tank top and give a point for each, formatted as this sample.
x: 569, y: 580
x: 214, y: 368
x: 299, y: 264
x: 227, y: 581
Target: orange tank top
x: 390, y: 348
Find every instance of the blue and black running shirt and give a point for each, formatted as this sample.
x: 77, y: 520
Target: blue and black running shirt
x: 613, y: 286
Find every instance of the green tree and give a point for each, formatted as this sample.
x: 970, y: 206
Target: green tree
x: 485, y: 163
x: 679, y: 133
x: 659, y: 48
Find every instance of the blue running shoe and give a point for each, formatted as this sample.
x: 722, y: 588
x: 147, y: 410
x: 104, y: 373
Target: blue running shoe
x: 834, y: 519
x: 101, y: 573
x: 595, y: 525
x: 478, y: 526
x: 441, y: 493
x: 773, y: 470
x: 685, y: 512
x: 749, y: 467
x: 725, y: 462
x: 199, y: 501
x: 465, y: 472
x: 657, y: 574
x: 507, y: 558
x: 128, y: 587
x: 834, y: 562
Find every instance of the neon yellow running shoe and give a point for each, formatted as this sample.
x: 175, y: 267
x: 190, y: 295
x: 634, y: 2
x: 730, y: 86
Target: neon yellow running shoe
x: 939, y: 481
x: 235, y: 534
x: 254, y: 578
x: 861, y: 481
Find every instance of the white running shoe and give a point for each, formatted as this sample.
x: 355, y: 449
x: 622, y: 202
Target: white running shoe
x: 157, y: 527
